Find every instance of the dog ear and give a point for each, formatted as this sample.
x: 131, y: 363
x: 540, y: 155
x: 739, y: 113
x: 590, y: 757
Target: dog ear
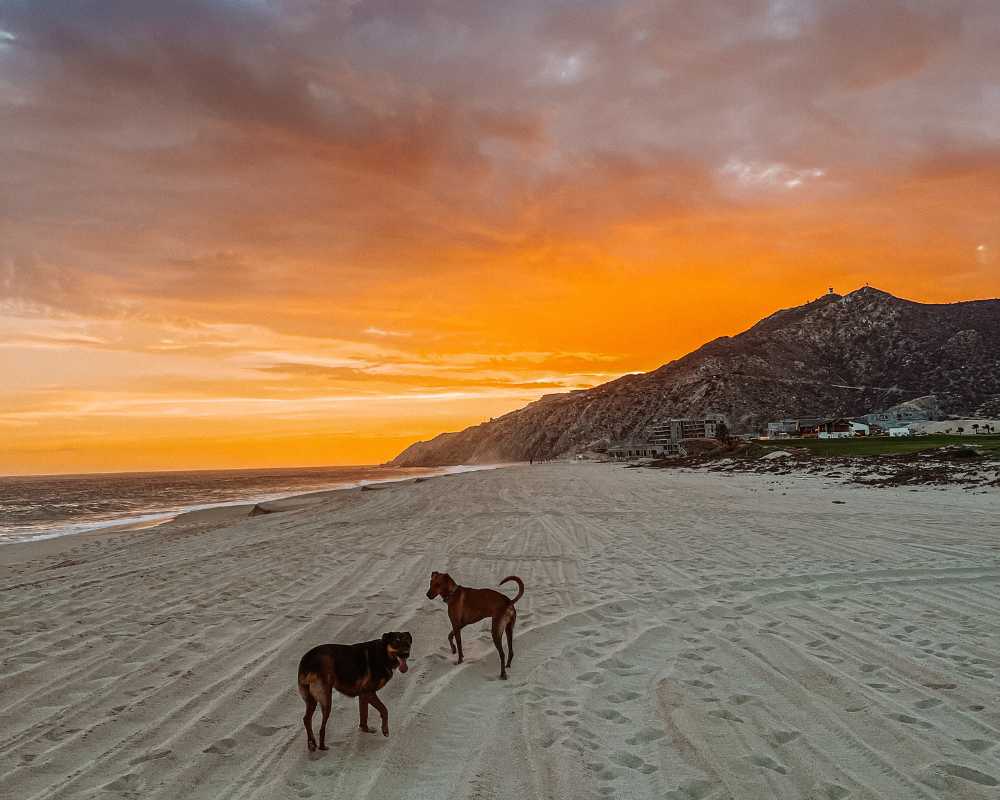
x: 409, y: 637
x: 385, y: 637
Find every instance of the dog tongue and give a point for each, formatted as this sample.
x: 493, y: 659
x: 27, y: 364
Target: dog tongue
x: 402, y: 664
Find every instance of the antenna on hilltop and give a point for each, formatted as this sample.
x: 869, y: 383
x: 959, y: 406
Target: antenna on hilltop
x: 830, y: 291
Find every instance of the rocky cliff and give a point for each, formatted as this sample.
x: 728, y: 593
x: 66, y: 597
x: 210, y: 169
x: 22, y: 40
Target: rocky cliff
x: 838, y: 355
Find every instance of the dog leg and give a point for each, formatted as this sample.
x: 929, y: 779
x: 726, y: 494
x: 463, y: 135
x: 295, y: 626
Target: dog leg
x: 382, y: 710
x: 307, y: 721
x: 458, y: 640
x: 497, y: 631
x: 325, y: 703
x: 510, y: 636
x: 363, y: 701
x: 451, y: 642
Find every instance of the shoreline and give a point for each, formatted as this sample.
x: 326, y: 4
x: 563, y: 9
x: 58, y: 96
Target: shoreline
x: 15, y: 551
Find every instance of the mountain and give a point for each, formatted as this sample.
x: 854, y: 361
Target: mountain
x: 835, y: 356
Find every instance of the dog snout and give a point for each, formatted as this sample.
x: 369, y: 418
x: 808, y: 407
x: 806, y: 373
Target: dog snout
x: 430, y: 594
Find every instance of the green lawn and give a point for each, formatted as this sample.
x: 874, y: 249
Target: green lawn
x: 884, y: 445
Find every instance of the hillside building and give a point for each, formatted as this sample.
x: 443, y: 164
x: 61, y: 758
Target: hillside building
x: 677, y: 430
x: 790, y: 428
x: 627, y: 451
x: 666, y: 436
x: 896, y: 417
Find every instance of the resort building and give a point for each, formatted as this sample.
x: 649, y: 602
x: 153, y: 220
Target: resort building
x: 630, y: 450
x: 677, y: 430
x: 665, y: 438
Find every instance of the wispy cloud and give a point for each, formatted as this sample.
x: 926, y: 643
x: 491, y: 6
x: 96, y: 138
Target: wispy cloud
x: 253, y: 203
x: 373, y: 331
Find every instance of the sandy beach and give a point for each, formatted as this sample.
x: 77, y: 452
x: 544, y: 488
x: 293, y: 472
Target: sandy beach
x: 684, y: 635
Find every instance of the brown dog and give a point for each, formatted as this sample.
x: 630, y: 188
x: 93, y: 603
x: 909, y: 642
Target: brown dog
x: 466, y: 606
x: 355, y: 670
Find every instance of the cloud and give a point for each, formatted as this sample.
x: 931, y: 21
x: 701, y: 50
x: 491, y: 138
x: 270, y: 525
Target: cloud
x: 334, y: 196
x: 374, y: 331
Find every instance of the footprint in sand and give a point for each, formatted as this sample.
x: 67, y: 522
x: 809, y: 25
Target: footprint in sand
x: 126, y: 783
x: 884, y: 688
x: 611, y: 715
x: 741, y: 699
x: 828, y: 791
x: 152, y: 755
x: 940, y: 685
x: 645, y: 736
x: 777, y: 738
x: 930, y: 702
x: 264, y: 730
x: 979, y: 673
x: 906, y: 719
x: 768, y: 763
x: 605, y: 772
x: 940, y: 776
x: 58, y: 735
x: 591, y: 677
x: 223, y: 747
x: 301, y: 788
x: 632, y: 761
x: 623, y: 697
x: 976, y: 745
x: 694, y: 790
x: 724, y: 714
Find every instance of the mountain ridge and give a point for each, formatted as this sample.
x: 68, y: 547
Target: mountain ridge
x: 835, y: 355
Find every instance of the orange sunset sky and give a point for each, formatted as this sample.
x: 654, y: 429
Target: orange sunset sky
x: 293, y: 232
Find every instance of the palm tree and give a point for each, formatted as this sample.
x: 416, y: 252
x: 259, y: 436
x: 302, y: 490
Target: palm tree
x: 961, y: 429
x: 975, y: 427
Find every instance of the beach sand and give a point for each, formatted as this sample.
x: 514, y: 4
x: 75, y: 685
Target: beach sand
x: 683, y: 636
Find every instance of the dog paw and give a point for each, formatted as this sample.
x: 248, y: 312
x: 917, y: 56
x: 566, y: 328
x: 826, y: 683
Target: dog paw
x: 385, y: 731
x: 312, y: 746
x: 366, y: 729
x: 323, y: 747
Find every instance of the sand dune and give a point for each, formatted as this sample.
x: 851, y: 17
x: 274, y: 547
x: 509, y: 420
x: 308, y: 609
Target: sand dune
x: 683, y: 636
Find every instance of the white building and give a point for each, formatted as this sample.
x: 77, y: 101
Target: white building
x: 899, y: 432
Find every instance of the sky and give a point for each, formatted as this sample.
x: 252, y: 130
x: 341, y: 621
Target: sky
x: 290, y: 232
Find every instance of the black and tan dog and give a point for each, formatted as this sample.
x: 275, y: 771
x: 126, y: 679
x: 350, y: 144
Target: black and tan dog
x: 355, y: 670
x: 466, y: 606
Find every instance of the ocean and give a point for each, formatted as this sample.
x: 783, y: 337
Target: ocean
x: 41, y: 507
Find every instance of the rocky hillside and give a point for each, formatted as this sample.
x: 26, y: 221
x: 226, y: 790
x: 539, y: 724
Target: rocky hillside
x: 838, y: 355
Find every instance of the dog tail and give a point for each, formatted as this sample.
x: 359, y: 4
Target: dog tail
x: 520, y: 586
